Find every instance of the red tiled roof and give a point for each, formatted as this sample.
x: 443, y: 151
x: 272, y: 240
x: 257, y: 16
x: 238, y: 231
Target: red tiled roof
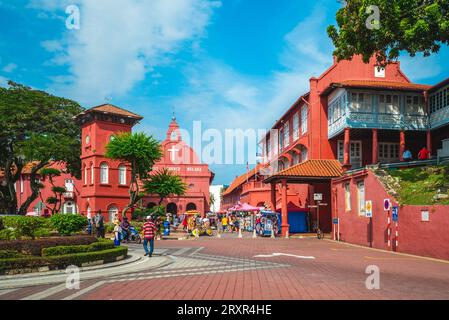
x: 109, y: 108
x: 241, y: 180
x: 25, y: 170
x: 382, y: 85
x: 313, y: 169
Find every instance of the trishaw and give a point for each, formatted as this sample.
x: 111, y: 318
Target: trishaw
x: 196, y: 226
x: 268, y: 224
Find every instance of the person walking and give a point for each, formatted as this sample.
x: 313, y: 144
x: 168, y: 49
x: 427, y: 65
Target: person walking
x: 149, y: 231
x: 407, y: 155
x: 99, y: 225
x: 224, y: 223
x: 423, y: 154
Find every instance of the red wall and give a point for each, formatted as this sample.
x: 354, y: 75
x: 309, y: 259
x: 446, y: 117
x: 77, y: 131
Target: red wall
x: 414, y: 236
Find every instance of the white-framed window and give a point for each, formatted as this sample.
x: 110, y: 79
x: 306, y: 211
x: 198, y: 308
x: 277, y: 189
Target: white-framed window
x: 347, y: 196
x: 361, y: 102
x: 281, y: 140
x: 379, y: 72
x: 304, y: 154
x: 112, y: 213
x: 296, y: 126
x: 92, y: 176
x: 122, y: 175
x: 69, y: 185
x: 389, y: 103
x: 86, y: 172
x: 355, y: 153
x: 286, y: 134
x: 69, y: 208
x: 304, y: 119
x: 361, y: 197
x: 415, y: 105
x: 388, y: 152
x: 21, y: 184
x: 104, y: 173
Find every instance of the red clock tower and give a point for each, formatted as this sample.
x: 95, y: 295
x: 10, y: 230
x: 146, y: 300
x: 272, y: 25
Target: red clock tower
x: 105, y: 182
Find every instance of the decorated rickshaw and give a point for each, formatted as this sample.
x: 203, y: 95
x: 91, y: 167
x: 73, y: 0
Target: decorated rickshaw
x: 197, y: 226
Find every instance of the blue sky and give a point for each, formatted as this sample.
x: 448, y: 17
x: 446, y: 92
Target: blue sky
x: 228, y: 64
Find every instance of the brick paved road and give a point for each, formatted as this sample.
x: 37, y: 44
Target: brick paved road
x: 228, y: 268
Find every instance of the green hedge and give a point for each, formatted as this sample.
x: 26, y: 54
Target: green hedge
x: 64, y: 250
x: 34, y: 247
x: 60, y: 262
x: 7, y: 254
x: 68, y: 224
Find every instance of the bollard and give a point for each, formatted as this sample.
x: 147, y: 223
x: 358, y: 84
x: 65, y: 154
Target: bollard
x: 287, y: 235
x: 272, y: 234
x: 240, y: 233
x: 218, y: 233
x: 254, y: 234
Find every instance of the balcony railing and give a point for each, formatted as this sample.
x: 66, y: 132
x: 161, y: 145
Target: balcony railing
x: 253, y: 185
x: 439, y: 118
x: 371, y: 120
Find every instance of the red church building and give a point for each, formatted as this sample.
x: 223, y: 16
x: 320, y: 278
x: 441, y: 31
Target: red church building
x: 105, y: 183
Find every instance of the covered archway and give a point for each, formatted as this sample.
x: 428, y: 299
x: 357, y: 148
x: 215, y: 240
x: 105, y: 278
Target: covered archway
x: 172, y: 208
x: 191, y: 207
x: 151, y: 205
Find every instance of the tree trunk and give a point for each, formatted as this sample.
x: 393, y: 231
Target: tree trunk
x: 34, y: 187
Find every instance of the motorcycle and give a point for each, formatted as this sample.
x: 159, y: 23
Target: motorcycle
x: 134, y: 236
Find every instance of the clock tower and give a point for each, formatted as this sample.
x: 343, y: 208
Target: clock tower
x: 105, y: 182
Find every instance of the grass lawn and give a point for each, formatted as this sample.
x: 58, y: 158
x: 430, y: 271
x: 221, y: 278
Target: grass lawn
x: 419, y: 185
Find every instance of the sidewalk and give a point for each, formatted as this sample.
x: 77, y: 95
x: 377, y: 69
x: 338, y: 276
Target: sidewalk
x: 134, y: 263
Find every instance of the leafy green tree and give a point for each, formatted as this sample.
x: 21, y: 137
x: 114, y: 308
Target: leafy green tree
x: 54, y: 202
x: 67, y: 224
x: 384, y: 28
x: 164, y: 183
x: 140, y: 151
x: 37, y: 129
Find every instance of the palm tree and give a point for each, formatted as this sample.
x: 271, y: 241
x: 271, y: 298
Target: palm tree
x: 212, y: 201
x: 164, y: 183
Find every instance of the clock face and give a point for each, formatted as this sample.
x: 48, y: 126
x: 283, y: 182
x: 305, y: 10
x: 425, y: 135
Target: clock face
x: 87, y: 140
x: 174, y: 136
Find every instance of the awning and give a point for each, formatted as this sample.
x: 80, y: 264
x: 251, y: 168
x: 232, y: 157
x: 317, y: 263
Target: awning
x: 309, y: 171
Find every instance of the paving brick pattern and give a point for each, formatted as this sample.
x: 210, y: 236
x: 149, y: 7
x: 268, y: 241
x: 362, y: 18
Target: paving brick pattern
x: 227, y: 268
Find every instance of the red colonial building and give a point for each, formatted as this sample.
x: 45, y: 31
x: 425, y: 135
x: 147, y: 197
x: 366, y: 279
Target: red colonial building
x: 105, y: 183
x: 354, y: 115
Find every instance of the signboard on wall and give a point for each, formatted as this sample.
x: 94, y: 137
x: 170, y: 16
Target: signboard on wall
x: 425, y: 215
x: 395, y: 213
x: 369, y: 209
x: 318, y: 197
x: 387, y: 204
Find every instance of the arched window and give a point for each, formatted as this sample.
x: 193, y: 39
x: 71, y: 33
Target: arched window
x: 104, y: 173
x: 69, y: 208
x: 122, y: 175
x: 191, y: 207
x: 172, y: 208
x: 92, y: 178
x: 112, y: 213
x: 86, y: 172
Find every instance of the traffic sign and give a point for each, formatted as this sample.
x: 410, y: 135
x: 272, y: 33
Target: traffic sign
x: 369, y: 209
x: 335, y: 221
x: 318, y: 197
x: 387, y: 204
x: 395, y: 213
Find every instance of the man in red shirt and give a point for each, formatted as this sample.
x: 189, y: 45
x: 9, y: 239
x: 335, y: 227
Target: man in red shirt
x: 149, y: 230
x: 423, y: 154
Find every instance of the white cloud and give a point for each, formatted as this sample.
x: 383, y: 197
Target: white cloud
x: 118, y: 44
x: 224, y: 98
x: 9, y: 68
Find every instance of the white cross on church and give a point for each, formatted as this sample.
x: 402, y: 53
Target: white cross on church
x: 174, y: 153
